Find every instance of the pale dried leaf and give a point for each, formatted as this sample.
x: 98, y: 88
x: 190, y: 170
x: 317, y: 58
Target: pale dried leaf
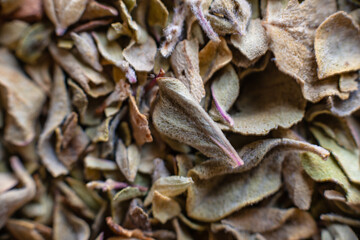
x: 87, y: 49
x: 69, y: 226
x: 12, y: 200
x: 23, y: 101
x: 185, y: 64
x: 348, y: 82
x: 141, y: 56
x: 95, y: 10
x: 212, y: 57
x: 254, y: 43
x: 164, y: 208
x: 157, y: 14
x: 64, y: 13
x: 265, y: 105
x: 169, y: 186
x: 59, y: 109
x: 337, y: 30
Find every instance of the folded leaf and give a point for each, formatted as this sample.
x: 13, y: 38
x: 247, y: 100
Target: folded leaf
x: 179, y: 116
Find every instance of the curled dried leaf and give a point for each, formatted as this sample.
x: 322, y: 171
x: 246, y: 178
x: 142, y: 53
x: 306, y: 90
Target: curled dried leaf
x: 23, y: 101
x: 64, y: 13
x: 254, y: 43
x: 224, y: 90
x: 139, y: 123
x: 141, y: 56
x: 329, y: 171
x: 212, y: 57
x: 59, y: 109
x: 275, y: 103
x: 158, y: 14
x: 12, y: 200
x: 87, y: 49
x: 187, y: 122
x: 185, y: 64
x: 339, y: 30
x: 69, y: 226
x: 164, y: 208
x: 94, y: 83
x: 233, y: 13
x: 169, y: 186
x: 95, y: 10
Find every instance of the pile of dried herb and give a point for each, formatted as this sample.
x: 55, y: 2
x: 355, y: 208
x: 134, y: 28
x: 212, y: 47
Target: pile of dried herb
x: 179, y: 119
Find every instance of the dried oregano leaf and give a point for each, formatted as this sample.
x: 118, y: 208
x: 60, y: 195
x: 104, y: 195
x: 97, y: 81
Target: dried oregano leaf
x: 185, y: 64
x: 212, y: 57
x: 95, y: 9
x: 157, y: 14
x: 141, y: 55
x: 164, y: 208
x: 212, y: 199
x: 229, y: 16
x: 28, y: 229
x: 64, y: 13
x: 300, y: 225
x: 94, y: 83
x: 128, y: 160
x: 33, y: 42
x: 259, y: 219
x: 348, y: 82
x: 139, y: 124
x: 291, y: 35
x: 266, y: 104
x: 339, y: 30
x: 87, y: 49
x: 23, y: 101
x: 224, y: 90
x: 254, y: 43
x: 12, y: 200
x: 59, y: 108
x: 348, y: 160
x: 242, y: 187
x: 298, y: 184
x: 252, y: 154
x: 179, y: 116
x: 67, y: 225
x: 332, y: 217
x: 168, y: 186
x: 329, y: 171
x: 11, y: 32
x: 340, y: 231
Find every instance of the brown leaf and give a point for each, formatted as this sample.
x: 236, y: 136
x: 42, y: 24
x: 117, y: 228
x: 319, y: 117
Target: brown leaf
x: 59, y: 109
x: 340, y: 30
x: 265, y: 105
x: 29, y: 10
x: 128, y: 160
x: 299, y: 186
x: 139, y: 124
x: 94, y: 83
x: 141, y: 56
x: 64, y: 13
x: 212, y: 57
x: 340, y: 231
x: 30, y: 230
x: 300, y: 225
x: 117, y: 229
x: 185, y: 64
x: 11, y: 32
x: 23, y: 101
x: 87, y: 49
x: 95, y: 10
x: 179, y: 116
x: 259, y: 220
x: 292, y: 33
x: 168, y: 186
x: 12, y: 200
x: 67, y: 225
x: 348, y: 82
